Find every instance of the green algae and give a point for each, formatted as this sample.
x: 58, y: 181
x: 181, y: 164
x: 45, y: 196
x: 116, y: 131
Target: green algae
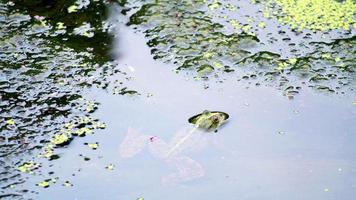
x: 93, y: 146
x: 187, y: 34
x: 47, y: 60
x: 47, y: 182
x: 316, y: 15
x: 28, y: 167
x: 181, y: 33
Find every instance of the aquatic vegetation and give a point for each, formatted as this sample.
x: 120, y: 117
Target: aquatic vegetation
x: 321, y: 69
x: 10, y: 122
x: 44, y: 184
x: 93, y: 146
x: 317, y: 15
x: 61, y: 139
x: 47, y: 182
x: 28, y: 167
x: 45, y: 66
x: 196, y: 36
x: 50, y: 53
x: 182, y: 33
x: 81, y: 127
x: 125, y: 91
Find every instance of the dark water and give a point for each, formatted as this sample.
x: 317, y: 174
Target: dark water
x: 271, y: 148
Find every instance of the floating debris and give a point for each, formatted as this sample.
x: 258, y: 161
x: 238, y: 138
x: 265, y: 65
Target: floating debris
x: 93, y: 146
x: 28, y: 167
x: 110, y: 167
x: 67, y: 184
x: 46, y: 183
x: 281, y: 132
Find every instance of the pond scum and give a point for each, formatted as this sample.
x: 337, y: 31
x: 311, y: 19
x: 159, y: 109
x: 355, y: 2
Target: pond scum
x: 317, y: 15
x: 47, y: 60
x: 184, y: 33
x: 50, y: 52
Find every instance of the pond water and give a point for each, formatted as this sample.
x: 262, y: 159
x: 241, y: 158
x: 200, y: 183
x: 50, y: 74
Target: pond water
x: 276, y: 144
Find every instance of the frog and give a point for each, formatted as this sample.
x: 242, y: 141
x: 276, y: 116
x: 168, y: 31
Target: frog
x: 174, y: 153
x: 209, y: 120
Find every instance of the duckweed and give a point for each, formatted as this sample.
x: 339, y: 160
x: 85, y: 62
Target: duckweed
x: 61, y: 139
x: 67, y: 184
x: 44, y: 184
x: 196, y: 42
x: 10, y: 122
x: 93, y: 146
x: 317, y: 15
x: 28, y: 167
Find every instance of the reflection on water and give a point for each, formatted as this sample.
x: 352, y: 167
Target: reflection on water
x: 185, y: 168
x: 222, y: 37
x: 42, y: 75
x: 272, y: 147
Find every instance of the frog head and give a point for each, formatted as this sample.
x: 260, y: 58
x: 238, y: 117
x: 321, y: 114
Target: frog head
x: 209, y: 120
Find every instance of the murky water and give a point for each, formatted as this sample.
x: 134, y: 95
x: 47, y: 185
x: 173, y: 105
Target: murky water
x: 270, y: 148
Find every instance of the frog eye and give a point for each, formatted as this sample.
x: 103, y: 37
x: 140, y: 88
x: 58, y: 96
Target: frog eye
x: 215, y: 116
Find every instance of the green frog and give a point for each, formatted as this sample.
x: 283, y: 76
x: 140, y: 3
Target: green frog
x: 209, y: 120
x: 174, y: 151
